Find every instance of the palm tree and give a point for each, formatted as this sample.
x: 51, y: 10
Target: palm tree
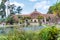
x: 55, y: 9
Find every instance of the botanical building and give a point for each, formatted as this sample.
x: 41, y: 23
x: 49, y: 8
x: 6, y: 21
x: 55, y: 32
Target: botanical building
x: 36, y: 17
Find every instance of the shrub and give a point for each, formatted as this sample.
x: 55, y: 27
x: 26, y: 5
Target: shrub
x: 21, y: 21
x: 11, y: 19
x: 50, y: 33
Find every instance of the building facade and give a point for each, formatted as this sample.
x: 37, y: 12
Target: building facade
x: 47, y: 18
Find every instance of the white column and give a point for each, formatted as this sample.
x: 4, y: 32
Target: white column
x: 45, y: 20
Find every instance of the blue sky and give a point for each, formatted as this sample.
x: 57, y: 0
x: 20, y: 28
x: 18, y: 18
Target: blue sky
x: 29, y: 5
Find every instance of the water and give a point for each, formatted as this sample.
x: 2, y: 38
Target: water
x: 33, y: 28
x: 5, y: 30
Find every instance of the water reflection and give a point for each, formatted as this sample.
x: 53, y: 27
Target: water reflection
x: 32, y: 27
x: 5, y: 30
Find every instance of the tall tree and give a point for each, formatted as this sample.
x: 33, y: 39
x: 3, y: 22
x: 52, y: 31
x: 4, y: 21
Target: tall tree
x: 55, y: 9
x: 2, y: 9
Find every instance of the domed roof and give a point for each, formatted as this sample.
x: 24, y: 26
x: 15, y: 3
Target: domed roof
x: 35, y: 14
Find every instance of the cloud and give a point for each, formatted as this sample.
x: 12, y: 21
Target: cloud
x: 17, y: 4
x: 32, y: 0
x: 43, y: 5
x: 0, y: 1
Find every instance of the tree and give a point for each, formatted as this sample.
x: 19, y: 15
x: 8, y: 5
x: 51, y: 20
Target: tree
x: 27, y: 17
x: 39, y: 19
x: 12, y: 19
x: 2, y: 10
x: 4, y: 1
x: 55, y: 9
x: 48, y: 19
x: 12, y: 8
x: 49, y: 33
x: 19, y: 9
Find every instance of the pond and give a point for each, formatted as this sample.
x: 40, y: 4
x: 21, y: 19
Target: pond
x: 32, y: 27
x: 5, y: 30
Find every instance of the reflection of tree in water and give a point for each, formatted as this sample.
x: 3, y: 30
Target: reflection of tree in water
x: 2, y: 31
x: 27, y: 22
x: 5, y: 31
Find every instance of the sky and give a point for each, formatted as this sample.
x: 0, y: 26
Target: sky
x: 28, y: 6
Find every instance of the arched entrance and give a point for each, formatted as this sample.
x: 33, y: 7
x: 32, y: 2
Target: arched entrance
x: 35, y: 20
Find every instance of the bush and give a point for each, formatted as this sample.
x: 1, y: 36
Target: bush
x: 21, y: 21
x: 11, y: 20
x: 16, y: 35
x: 50, y: 33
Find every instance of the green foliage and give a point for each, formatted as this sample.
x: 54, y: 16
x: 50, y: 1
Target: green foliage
x: 19, y: 9
x: 49, y: 33
x: 19, y: 35
x: 2, y: 9
x: 27, y: 17
x: 55, y: 9
x: 47, y: 19
x: 40, y: 17
x: 4, y: 1
x: 12, y: 8
x: 21, y: 21
x: 10, y: 20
